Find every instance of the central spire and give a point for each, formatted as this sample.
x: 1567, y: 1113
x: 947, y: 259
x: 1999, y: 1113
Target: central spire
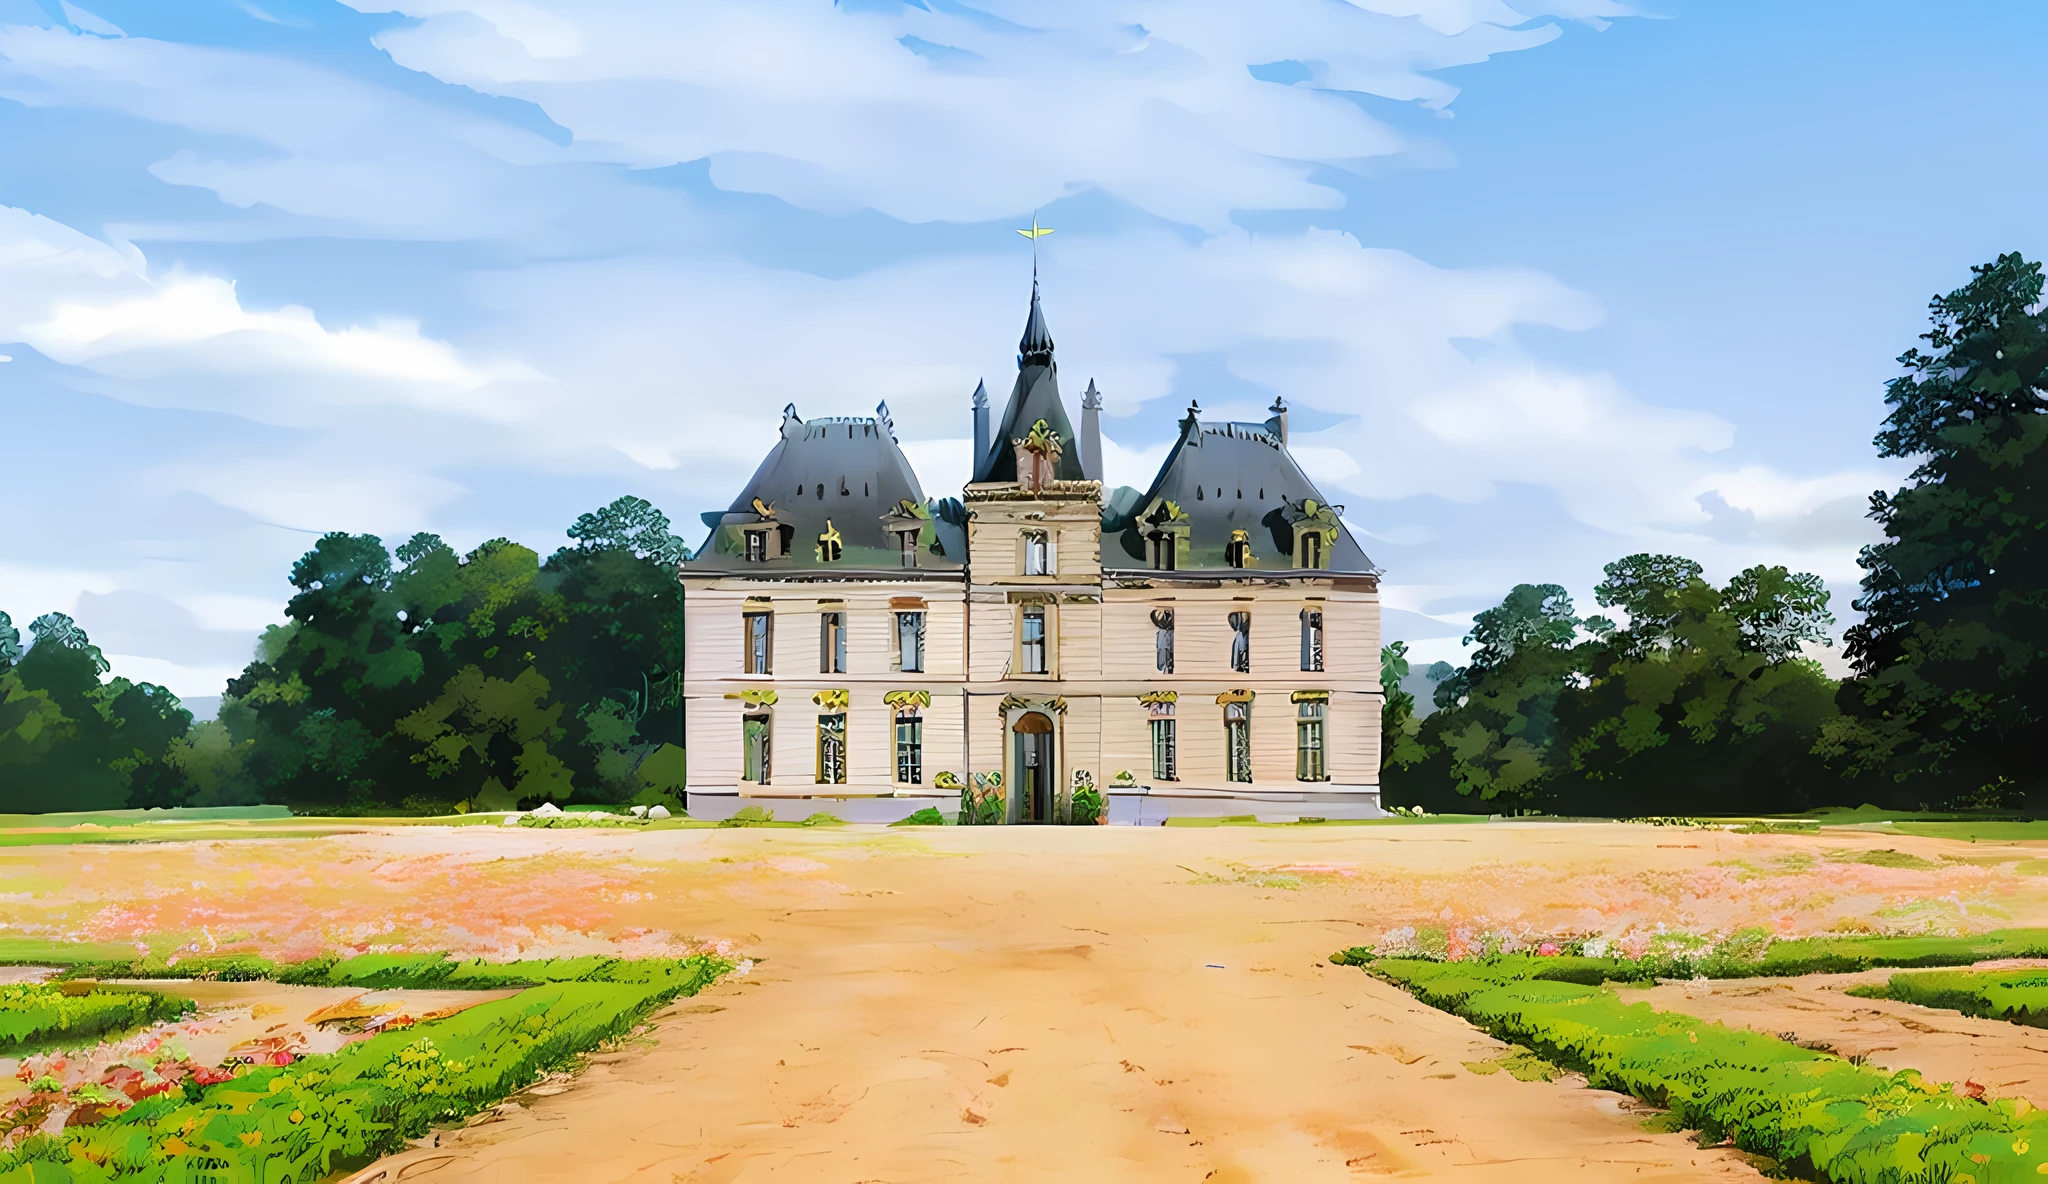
x: 1036, y: 347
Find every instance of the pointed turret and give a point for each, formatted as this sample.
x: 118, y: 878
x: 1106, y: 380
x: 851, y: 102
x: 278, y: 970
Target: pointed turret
x: 1035, y: 397
x: 980, y: 422
x: 1091, y: 432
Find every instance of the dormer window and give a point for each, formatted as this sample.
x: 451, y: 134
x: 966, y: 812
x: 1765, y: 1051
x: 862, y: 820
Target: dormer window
x: 1162, y: 550
x: 906, y: 546
x: 1037, y: 554
x: 829, y: 548
x: 1239, y: 552
x: 757, y: 546
x: 1310, y: 554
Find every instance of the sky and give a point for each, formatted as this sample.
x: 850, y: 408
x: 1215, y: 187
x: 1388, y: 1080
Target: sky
x: 1545, y: 282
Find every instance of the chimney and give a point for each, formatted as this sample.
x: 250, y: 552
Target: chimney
x: 980, y: 426
x: 1091, y: 433
x: 1278, y: 424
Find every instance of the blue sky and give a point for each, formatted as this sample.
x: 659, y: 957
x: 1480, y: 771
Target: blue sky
x: 1547, y: 283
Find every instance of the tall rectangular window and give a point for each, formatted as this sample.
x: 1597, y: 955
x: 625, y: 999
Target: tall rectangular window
x: 757, y: 546
x: 906, y: 541
x: 1241, y: 642
x: 832, y: 749
x: 832, y: 643
x: 909, y: 750
x: 1312, y: 639
x: 1311, y: 549
x: 758, y: 733
x: 1162, y: 551
x: 759, y: 632
x: 1031, y: 640
x: 910, y: 641
x: 1037, y: 554
x: 1162, y: 640
x: 1309, y: 763
x: 1165, y: 761
x: 1237, y: 740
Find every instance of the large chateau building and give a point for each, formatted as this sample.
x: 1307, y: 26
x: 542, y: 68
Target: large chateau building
x: 1208, y: 646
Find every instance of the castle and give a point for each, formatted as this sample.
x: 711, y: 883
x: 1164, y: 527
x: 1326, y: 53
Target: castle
x: 1209, y: 646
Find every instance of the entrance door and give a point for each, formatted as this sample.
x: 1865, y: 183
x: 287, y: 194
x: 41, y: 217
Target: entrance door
x: 1035, y: 767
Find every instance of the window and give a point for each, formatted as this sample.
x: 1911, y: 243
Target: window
x: 1031, y: 640
x: 1162, y: 640
x: 832, y: 643
x: 757, y: 546
x: 1241, y: 642
x: 1237, y: 740
x: 1311, y: 549
x: 832, y: 749
x: 1037, y: 554
x: 829, y: 549
x: 760, y: 630
x: 1308, y: 744
x: 910, y: 641
x: 759, y: 744
x: 1162, y: 551
x: 1164, y: 759
x: 1311, y: 639
x: 1239, y: 552
x: 906, y: 542
x: 909, y: 750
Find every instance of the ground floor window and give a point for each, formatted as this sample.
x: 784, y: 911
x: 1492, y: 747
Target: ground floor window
x: 759, y: 737
x: 1309, y: 762
x: 1237, y: 740
x: 909, y: 750
x: 1164, y: 758
x: 832, y: 749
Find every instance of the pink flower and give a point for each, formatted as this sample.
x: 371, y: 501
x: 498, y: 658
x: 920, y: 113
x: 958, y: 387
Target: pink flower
x: 1548, y: 949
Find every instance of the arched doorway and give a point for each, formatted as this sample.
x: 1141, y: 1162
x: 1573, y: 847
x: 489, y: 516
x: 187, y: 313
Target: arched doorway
x: 1034, y: 765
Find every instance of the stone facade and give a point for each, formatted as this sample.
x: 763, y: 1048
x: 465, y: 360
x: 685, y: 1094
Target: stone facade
x: 1209, y: 645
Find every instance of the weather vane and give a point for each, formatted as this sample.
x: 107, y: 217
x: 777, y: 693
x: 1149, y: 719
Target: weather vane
x: 1034, y: 234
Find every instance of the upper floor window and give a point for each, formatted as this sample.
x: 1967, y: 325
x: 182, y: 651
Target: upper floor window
x: 1241, y: 642
x: 1311, y: 639
x: 1037, y: 554
x: 1162, y: 550
x: 1311, y: 549
x: 910, y: 641
x: 832, y: 643
x: 1031, y: 640
x: 1162, y: 640
x: 759, y: 632
x: 1239, y: 552
x: 757, y: 546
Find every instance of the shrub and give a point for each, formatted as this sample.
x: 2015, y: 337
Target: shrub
x: 749, y: 816
x: 1818, y: 1115
x: 2020, y: 996
x: 36, y: 1016
x: 922, y: 816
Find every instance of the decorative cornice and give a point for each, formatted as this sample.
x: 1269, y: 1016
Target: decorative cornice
x: 903, y: 699
x: 755, y: 697
x: 833, y: 700
x: 1236, y: 696
x: 1159, y: 697
x: 1309, y: 697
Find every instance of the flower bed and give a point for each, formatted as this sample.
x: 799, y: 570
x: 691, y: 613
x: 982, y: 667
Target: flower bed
x: 36, y: 1016
x: 1818, y: 1115
x: 2020, y: 996
x: 1752, y: 956
x: 378, y: 971
x: 300, y: 1122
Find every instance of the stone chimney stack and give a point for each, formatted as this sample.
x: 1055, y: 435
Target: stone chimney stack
x: 1279, y: 420
x: 1091, y: 433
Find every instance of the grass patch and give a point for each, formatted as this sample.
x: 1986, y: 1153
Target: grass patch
x: 1884, y: 857
x: 1520, y: 1064
x: 1816, y: 1114
x: 1397, y: 820
x: 2020, y: 996
x: 305, y: 1121
x: 35, y: 1017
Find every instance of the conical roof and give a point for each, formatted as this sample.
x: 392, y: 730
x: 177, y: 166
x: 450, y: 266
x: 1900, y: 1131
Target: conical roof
x: 1035, y: 396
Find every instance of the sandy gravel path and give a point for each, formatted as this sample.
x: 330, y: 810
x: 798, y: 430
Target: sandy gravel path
x: 1025, y: 1008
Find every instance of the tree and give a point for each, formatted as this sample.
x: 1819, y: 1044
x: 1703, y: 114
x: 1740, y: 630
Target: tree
x: 68, y: 740
x: 1398, y: 725
x: 1949, y: 699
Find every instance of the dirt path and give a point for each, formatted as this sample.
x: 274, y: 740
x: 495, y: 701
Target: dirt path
x: 2008, y: 1060
x: 1020, y: 1009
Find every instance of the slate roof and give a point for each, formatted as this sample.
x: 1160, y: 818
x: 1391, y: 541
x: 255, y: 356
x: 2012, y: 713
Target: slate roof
x: 1035, y: 396
x: 843, y: 474
x: 1225, y: 477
